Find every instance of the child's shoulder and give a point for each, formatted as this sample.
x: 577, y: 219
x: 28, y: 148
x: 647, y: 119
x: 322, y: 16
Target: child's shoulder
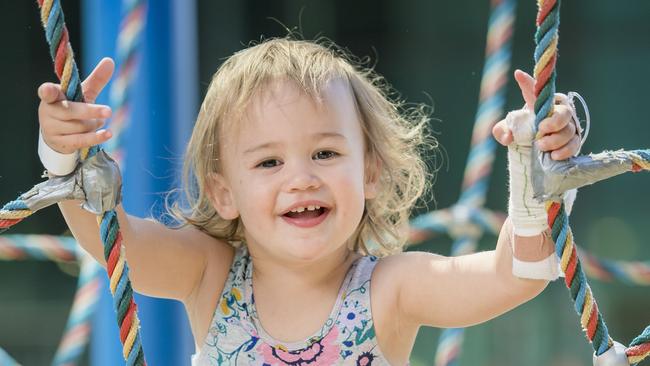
x: 219, y: 256
x: 396, y: 270
x: 217, y: 253
x: 398, y: 276
x: 392, y: 282
x: 399, y: 267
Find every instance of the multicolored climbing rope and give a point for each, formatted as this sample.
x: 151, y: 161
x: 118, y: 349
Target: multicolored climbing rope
x: 66, y: 70
x: 78, y: 327
x: 126, y: 60
x: 127, y: 55
x: 546, y: 40
x: 13, y: 213
x: 120, y: 285
x: 630, y: 273
x: 61, y: 249
x: 575, y: 279
x: 639, y: 348
x: 39, y: 247
x: 492, y: 100
x: 42, y: 247
x: 58, y: 39
x: 57, y: 36
x: 463, y: 219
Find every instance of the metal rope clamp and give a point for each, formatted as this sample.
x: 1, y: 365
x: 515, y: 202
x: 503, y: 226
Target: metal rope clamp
x: 551, y: 178
x: 96, y: 181
x: 615, y: 356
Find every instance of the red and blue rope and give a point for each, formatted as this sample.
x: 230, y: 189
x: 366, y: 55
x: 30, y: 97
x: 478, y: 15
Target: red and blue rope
x: 546, y: 39
x: 65, y: 67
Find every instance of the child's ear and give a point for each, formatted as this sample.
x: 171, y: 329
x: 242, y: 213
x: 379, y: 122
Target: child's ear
x: 221, y: 197
x: 373, y: 173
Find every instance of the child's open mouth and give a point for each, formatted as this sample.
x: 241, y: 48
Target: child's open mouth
x: 306, y: 216
x: 306, y: 213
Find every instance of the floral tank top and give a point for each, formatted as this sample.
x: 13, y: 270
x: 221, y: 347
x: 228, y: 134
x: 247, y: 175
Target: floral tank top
x: 236, y: 336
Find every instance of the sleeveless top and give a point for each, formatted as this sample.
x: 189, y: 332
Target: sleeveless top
x: 236, y: 336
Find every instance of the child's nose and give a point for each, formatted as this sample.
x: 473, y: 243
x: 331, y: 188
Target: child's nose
x: 302, y: 178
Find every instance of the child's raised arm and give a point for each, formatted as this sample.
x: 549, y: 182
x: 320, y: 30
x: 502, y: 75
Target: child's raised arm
x: 456, y: 292
x: 163, y: 262
x: 426, y: 289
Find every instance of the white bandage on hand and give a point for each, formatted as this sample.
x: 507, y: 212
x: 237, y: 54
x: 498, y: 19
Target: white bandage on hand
x: 528, y: 216
x: 54, y: 162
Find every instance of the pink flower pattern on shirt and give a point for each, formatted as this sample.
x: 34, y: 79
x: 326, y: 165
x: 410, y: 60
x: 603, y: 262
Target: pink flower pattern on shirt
x: 322, y: 352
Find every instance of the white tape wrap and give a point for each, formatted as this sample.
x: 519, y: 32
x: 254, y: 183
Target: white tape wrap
x: 528, y: 216
x: 54, y: 162
x: 546, y: 269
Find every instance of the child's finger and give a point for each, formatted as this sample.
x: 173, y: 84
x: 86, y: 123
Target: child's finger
x: 560, y: 118
x: 502, y: 133
x: 557, y: 140
x: 50, y: 93
x: 97, y: 79
x: 567, y: 150
x: 75, y: 127
x: 72, y: 111
x: 70, y: 143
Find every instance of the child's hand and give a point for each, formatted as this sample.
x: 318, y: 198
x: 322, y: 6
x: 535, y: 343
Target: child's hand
x: 533, y: 255
x: 68, y: 126
x: 558, y: 131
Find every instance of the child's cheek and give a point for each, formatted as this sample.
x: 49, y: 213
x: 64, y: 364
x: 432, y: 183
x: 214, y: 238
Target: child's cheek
x: 349, y: 183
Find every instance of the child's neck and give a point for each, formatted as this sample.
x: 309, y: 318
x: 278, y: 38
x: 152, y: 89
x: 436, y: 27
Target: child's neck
x: 294, y: 300
x: 275, y: 271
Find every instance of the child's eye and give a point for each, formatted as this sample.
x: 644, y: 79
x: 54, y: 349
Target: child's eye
x: 270, y: 163
x: 325, y: 154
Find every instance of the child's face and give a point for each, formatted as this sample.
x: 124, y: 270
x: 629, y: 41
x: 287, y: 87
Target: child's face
x: 292, y: 154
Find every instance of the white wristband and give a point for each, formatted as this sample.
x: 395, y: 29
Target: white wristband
x: 55, y: 162
x: 546, y: 269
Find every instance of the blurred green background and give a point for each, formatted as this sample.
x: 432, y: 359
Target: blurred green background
x: 432, y: 52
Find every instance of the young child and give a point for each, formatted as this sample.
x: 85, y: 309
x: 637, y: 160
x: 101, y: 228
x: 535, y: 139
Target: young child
x: 298, y: 168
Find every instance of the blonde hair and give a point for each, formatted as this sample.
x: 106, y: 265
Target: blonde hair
x: 394, y: 136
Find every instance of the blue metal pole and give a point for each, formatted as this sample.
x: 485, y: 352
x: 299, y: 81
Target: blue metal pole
x: 164, y: 102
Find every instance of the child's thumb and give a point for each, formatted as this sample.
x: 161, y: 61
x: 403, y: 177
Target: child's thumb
x: 527, y: 86
x: 97, y: 80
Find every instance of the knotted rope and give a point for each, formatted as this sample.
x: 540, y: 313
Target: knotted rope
x: 66, y: 70
x: 546, y: 39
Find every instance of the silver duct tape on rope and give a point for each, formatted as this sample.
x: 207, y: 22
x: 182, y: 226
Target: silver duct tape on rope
x: 552, y: 178
x: 96, y: 181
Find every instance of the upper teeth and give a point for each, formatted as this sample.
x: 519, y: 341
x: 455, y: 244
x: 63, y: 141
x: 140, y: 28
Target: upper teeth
x: 308, y: 208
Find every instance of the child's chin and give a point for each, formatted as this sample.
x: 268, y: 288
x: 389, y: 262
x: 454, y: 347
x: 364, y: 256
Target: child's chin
x: 309, y: 251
